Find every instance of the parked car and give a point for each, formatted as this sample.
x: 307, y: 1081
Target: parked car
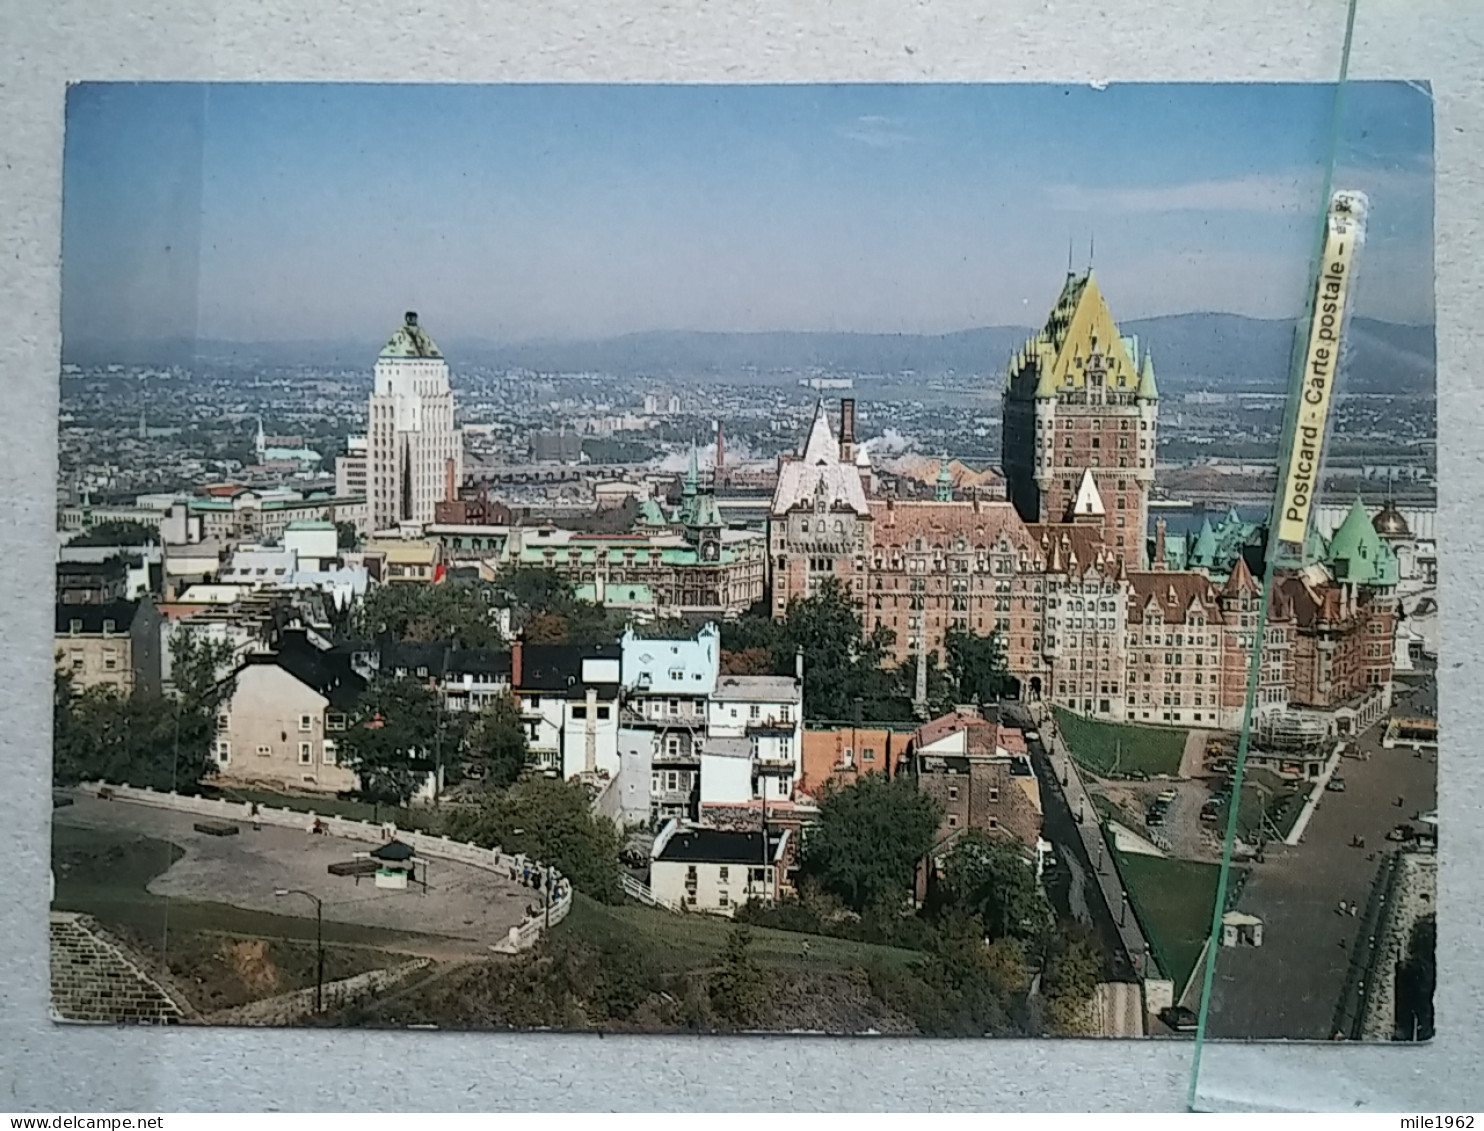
x: 1154, y: 818
x: 1179, y: 1018
x: 1401, y: 833
x: 1033, y: 736
x: 1167, y: 796
x: 1335, y: 785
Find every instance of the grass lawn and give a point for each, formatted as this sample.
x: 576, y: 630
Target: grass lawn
x: 1173, y: 899
x: 694, y: 941
x: 1121, y: 749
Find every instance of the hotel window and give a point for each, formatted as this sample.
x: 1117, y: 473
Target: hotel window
x: 953, y: 793
x: 109, y: 627
x: 223, y: 753
x: 110, y: 660
x: 306, y: 723
x: 334, y: 722
x: 74, y: 627
x: 329, y: 752
x: 723, y: 873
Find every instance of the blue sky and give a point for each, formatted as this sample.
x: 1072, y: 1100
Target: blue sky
x: 270, y: 212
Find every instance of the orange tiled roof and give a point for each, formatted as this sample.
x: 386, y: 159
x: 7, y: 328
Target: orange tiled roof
x: 900, y: 522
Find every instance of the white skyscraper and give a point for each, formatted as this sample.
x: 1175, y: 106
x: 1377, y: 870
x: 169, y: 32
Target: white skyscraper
x: 410, y: 435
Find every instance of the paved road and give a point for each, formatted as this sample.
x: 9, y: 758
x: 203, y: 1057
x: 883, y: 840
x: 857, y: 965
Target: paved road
x: 1290, y: 986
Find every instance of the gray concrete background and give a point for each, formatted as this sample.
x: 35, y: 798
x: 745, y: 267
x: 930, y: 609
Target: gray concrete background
x: 51, y: 42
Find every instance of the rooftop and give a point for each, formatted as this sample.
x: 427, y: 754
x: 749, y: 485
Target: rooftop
x: 769, y: 688
x: 715, y: 846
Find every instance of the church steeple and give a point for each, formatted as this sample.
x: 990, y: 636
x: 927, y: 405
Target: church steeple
x: 945, y: 481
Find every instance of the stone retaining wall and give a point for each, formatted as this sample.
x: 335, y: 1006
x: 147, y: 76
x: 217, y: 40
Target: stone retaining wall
x: 1415, y: 894
x: 93, y: 978
x: 287, y: 1009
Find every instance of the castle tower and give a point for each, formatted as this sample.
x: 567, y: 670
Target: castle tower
x: 1079, y: 398
x: 411, y: 435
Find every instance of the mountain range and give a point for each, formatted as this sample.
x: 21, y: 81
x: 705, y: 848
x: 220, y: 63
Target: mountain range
x: 1192, y: 352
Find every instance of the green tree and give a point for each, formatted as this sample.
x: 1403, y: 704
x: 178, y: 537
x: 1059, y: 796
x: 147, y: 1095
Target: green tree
x: 736, y: 986
x: 346, y: 536
x: 458, y: 614
x: 976, y: 665
x: 869, y: 839
x: 1074, y: 967
x: 496, y: 746
x: 994, y: 880
x: 153, y: 740
x: 841, y: 664
x: 550, y: 822
x: 117, y: 534
x: 394, y: 738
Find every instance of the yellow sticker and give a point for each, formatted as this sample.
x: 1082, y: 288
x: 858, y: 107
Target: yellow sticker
x: 1344, y: 232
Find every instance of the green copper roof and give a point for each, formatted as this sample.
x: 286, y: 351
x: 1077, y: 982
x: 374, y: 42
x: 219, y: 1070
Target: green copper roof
x: 650, y: 514
x: 410, y: 340
x: 1358, y: 555
x: 1147, y: 390
x: 1203, y: 553
x: 1316, y: 549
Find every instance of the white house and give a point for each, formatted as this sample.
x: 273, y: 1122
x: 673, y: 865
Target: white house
x: 716, y: 871
x: 767, y: 711
x: 281, y: 727
x: 666, y: 687
x: 727, y: 776
x: 569, y: 698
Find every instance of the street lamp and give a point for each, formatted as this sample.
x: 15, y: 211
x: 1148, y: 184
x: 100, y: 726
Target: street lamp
x: 319, y: 942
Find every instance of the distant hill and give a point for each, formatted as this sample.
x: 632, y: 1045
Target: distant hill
x: 1192, y: 352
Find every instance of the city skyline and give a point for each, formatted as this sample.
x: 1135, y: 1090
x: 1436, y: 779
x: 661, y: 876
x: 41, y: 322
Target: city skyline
x: 518, y: 213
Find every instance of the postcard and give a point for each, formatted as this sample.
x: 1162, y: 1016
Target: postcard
x: 929, y: 560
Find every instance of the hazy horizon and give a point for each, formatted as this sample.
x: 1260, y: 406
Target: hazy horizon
x: 559, y: 214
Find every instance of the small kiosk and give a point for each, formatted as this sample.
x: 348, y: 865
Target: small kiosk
x: 396, y: 865
x: 1238, y: 929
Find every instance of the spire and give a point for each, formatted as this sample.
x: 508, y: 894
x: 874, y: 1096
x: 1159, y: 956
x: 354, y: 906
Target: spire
x: 820, y: 447
x: 1203, y: 553
x: 1070, y: 271
x: 1088, y: 503
x: 1091, y: 246
x: 1240, y: 579
x: 692, y: 475
x: 1147, y: 390
x: 260, y: 443
x: 945, y: 481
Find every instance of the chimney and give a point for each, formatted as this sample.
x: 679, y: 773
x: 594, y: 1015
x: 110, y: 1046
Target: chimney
x: 847, y: 429
x: 450, y: 488
x: 410, y: 318
x: 517, y: 648
x: 590, y: 745
x: 799, y: 665
x: 1159, y: 545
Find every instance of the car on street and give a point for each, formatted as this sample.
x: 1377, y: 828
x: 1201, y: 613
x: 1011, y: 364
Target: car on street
x: 1179, y: 1019
x: 1033, y: 736
x: 1167, y: 796
x: 1335, y: 785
